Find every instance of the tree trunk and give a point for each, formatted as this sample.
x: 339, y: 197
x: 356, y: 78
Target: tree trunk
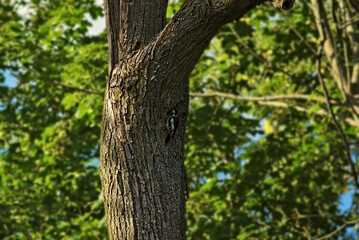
x: 143, y: 179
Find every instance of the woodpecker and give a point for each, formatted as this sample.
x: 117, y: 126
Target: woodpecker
x: 172, y: 125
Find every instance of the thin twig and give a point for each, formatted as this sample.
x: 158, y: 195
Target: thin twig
x: 264, y: 98
x: 246, y: 46
x: 77, y: 88
x: 338, y: 229
x: 337, y: 125
x: 301, y: 37
x: 301, y: 216
x: 260, y: 58
x: 270, y: 101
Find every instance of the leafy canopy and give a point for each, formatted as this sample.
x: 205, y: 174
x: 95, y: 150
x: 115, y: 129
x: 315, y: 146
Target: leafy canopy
x: 256, y: 168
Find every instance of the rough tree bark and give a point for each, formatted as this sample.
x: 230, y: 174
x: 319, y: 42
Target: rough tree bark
x: 143, y: 179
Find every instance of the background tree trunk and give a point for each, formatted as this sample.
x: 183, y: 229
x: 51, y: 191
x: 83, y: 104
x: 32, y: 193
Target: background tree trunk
x: 144, y: 183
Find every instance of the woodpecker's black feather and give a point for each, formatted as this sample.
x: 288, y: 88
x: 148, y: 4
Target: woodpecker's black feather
x: 172, y: 125
x: 168, y: 138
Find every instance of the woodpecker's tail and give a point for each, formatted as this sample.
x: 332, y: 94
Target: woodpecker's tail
x: 168, y: 138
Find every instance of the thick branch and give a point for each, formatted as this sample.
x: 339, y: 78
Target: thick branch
x: 330, y: 50
x: 354, y: 42
x: 185, y: 37
x: 167, y: 61
x: 330, y: 110
x: 343, y: 39
x: 188, y: 33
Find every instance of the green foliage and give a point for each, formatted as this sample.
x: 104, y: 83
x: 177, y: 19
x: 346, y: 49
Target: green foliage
x: 49, y: 133
x: 255, y: 170
x: 260, y: 171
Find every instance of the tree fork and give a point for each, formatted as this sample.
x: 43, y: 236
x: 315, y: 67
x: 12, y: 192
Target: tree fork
x: 143, y: 179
